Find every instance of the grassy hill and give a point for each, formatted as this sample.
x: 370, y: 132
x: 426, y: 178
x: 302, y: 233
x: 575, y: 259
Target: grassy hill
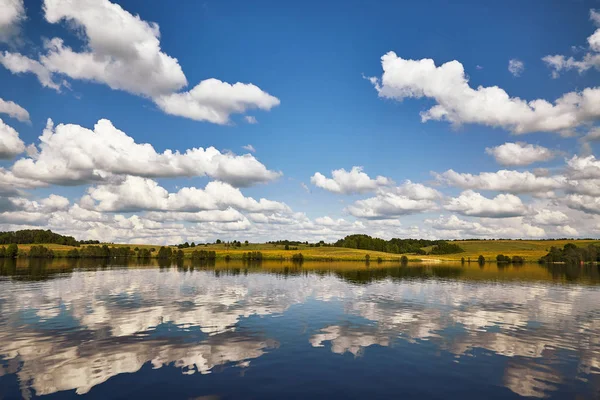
x: 530, y: 250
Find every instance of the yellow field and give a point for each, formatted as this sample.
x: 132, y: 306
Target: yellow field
x: 530, y: 250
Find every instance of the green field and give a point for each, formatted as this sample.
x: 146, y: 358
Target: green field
x: 530, y: 250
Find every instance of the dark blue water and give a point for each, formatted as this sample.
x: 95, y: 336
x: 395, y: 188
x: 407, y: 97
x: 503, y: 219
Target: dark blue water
x: 265, y: 333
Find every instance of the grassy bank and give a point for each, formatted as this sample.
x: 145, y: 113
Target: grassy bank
x: 530, y: 250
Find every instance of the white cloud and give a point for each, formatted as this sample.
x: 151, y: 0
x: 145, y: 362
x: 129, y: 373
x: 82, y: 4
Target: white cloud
x: 227, y: 215
x: 567, y: 230
x: 305, y: 187
x: 13, y: 13
x: 520, y: 154
x: 14, y: 110
x: 503, y: 181
x: 454, y: 227
x: 516, y: 67
x: 19, y: 64
x: 409, y: 198
x: 122, y: 50
x: 71, y: 154
x: 591, y: 58
x: 250, y: 119
x: 584, y: 167
x: 250, y: 148
x: 471, y: 203
x: 10, y: 143
x: 135, y: 194
x: 349, y: 182
x: 459, y: 103
x: 584, y: 203
x: 214, y: 101
x: 550, y: 217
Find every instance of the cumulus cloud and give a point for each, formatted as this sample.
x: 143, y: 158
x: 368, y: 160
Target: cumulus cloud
x: 10, y: 143
x: 13, y: 13
x: 584, y: 203
x: 458, y: 103
x: 591, y: 59
x: 250, y: 119
x: 516, y: 67
x: 349, y: 182
x: 454, y: 227
x: 135, y: 194
x: 22, y: 211
x: 550, y: 217
x: 408, y: 198
x: 14, y: 110
x: 502, y: 181
x: 520, y: 154
x: 214, y: 101
x: 71, y: 154
x: 471, y: 203
x: 122, y: 50
x: 20, y: 64
x: 583, y: 167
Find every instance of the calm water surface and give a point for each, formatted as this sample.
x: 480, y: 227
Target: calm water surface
x: 69, y: 330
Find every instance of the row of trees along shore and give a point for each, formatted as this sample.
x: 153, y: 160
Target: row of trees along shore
x: 570, y: 253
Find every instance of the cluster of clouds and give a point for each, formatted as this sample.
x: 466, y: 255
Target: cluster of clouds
x: 459, y: 103
x: 124, y: 200
x: 124, y: 52
x: 591, y: 59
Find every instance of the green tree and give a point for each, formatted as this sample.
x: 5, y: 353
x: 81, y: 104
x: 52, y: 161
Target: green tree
x: 12, y: 250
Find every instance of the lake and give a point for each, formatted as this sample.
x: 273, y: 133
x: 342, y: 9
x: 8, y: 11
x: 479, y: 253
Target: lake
x: 72, y: 329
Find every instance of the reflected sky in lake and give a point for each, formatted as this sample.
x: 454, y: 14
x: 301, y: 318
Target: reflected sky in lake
x: 311, y: 331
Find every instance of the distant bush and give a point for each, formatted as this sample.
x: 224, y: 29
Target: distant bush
x: 73, y: 253
x: 252, y: 256
x: 404, y: 260
x: 571, y: 254
x: 379, y: 260
x: 367, y: 258
x: 40, y: 252
x: 501, y: 259
x: 481, y: 260
x: 165, y: 252
x: 446, y: 248
x: 143, y: 253
x: 518, y: 260
x: 298, y: 258
x: 105, y: 252
x: 202, y: 255
x: 12, y: 251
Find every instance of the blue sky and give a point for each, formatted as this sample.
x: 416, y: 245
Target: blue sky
x: 303, y: 70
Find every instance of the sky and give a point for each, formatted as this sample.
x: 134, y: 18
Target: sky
x: 145, y: 122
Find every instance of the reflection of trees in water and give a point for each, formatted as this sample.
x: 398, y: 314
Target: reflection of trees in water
x: 574, y: 272
x: 399, y: 273
x: 41, y: 269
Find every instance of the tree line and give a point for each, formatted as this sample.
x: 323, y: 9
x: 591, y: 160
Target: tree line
x: 398, y: 246
x: 35, y: 236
